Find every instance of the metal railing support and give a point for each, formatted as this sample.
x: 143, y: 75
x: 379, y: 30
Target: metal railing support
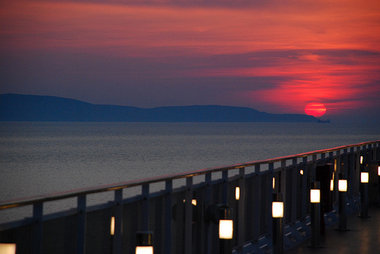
x: 118, y: 213
x: 168, y: 216
x: 188, y: 217
x: 241, y: 209
x: 37, y: 228
x: 81, y: 231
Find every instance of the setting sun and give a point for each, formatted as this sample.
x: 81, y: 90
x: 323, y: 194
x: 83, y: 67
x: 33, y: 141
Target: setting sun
x: 315, y: 109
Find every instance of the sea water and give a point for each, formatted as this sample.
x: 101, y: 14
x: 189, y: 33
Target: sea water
x: 45, y: 157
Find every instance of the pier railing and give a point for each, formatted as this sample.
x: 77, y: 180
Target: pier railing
x: 181, y: 217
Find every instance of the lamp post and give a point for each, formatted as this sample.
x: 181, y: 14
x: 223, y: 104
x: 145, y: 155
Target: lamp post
x: 277, y: 224
x: 221, y: 214
x: 226, y: 229
x: 342, y: 188
x: 364, y: 179
x: 315, y: 200
x: 144, y: 242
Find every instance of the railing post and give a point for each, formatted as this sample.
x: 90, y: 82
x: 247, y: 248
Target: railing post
x: 269, y: 198
x: 208, y: 203
x: 294, y: 184
x: 351, y: 168
x: 314, y: 171
x: 259, y: 216
x: 304, y: 188
x: 118, y: 221
x: 81, y: 237
x: 168, y: 216
x: 145, y: 207
x: 188, y: 217
x: 225, y: 186
x: 241, y: 208
x: 37, y: 228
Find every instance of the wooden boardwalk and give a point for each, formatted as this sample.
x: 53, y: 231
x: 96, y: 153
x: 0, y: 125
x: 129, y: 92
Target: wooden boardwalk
x: 363, y: 237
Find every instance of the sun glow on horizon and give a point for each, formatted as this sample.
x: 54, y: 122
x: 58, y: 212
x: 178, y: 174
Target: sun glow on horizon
x: 315, y: 109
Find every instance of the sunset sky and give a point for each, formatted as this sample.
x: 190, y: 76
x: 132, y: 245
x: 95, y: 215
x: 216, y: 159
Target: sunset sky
x: 274, y: 55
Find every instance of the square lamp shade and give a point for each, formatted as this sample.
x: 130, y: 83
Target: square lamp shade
x: 364, y: 177
x: 342, y: 185
x: 315, y: 196
x: 226, y: 229
x: 7, y: 248
x: 277, y: 209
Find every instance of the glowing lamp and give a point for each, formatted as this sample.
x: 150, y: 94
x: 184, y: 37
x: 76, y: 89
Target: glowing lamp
x: 273, y: 182
x: 226, y: 224
x: 315, y: 196
x: 378, y: 170
x: 342, y: 185
x: 331, y: 184
x: 277, y: 209
x: 7, y: 248
x: 364, y: 177
x: 226, y: 229
x: 194, y: 202
x: 301, y: 172
x: 144, y: 249
x: 112, y: 226
x: 237, y: 193
x: 144, y: 242
x: 361, y: 159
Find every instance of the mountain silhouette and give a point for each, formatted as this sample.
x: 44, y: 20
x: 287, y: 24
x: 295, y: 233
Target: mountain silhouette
x: 18, y: 107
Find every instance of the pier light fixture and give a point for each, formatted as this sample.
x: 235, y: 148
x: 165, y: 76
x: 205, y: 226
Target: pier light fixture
x: 112, y: 226
x: 361, y: 159
x: 193, y: 201
x: 226, y: 224
x: 274, y: 182
x: 277, y: 209
x: 342, y: 185
x: 364, y: 177
x: 7, y: 248
x: 221, y: 214
x: 331, y: 184
x: 301, y: 172
x: 237, y: 193
x: 226, y: 229
x: 315, y: 196
x: 144, y: 242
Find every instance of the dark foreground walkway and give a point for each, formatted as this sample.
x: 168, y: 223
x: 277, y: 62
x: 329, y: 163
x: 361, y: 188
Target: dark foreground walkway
x: 363, y: 237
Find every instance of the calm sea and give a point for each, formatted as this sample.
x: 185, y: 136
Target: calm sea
x: 38, y: 158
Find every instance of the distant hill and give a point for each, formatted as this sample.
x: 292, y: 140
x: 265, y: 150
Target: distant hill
x: 17, y: 107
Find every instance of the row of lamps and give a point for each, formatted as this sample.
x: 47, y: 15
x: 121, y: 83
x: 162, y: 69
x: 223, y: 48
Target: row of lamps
x: 223, y: 216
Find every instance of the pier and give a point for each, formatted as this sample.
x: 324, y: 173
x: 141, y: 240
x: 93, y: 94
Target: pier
x: 217, y: 210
